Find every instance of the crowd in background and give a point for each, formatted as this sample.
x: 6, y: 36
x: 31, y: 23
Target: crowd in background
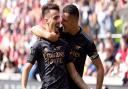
x: 99, y: 18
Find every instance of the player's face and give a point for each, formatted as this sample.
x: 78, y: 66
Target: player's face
x: 68, y: 22
x: 54, y: 17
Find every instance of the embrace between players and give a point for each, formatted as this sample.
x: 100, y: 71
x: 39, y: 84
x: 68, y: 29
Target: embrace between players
x: 60, y: 52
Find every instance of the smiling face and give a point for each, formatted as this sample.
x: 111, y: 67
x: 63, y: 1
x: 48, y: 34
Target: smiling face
x: 70, y: 17
x: 68, y: 22
x: 53, y: 16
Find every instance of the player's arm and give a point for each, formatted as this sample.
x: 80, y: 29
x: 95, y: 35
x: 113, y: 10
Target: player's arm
x: 32, y: 57
x: 76, y: 77
x: 100, y: 72
x: 39, y: 31
x: 94, y: 56
x: 25, y: 74
x: 42, y: 32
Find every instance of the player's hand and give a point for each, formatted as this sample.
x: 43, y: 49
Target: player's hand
x: 52, y: 36
x: 51, y: 25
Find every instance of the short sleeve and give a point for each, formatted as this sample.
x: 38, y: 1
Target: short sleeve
x: 34, y: 54
x: 92, y: 51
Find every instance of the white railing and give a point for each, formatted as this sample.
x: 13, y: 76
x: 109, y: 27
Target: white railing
x: 88, y: 79
x: 112, y: 36
x: 114, y: 81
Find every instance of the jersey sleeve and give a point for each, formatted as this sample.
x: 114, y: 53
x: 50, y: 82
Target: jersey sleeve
x: 34, y: 53
x: 92, y: 51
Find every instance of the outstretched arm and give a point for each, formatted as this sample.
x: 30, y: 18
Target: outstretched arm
x: 25, y: 73
x: 76, y: 77
x: 100, y: 72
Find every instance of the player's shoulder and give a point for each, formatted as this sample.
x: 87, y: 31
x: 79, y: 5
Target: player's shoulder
x: 63, y: 41
x: 86, y: 37
x: 36, y: 44
x: 40, y: 43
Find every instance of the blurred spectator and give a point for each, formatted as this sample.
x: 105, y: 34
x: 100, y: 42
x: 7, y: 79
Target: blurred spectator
x: 125, y: 28
x: 118, y: 24
x: 93, y: 24
x: 105, y: 17
x: 109, y: 54
x: 10, y: 67
x: 120, y: 67
x: 84, y: 11
x: 125, y: 79
x: 123, y: 51
x: 122, y: 3
x: 91, y: 70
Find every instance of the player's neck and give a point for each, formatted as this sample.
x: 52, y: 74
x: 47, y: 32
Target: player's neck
x: 75, y: 30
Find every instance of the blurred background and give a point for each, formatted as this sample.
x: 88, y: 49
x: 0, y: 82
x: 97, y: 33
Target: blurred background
x: 106, y: 21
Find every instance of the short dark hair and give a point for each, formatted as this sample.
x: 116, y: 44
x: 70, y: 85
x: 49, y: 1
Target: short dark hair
x: 72, y: 10
x: 49, y: 6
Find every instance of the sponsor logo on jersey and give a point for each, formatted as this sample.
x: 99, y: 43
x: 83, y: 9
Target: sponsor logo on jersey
x: 54, y: 56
